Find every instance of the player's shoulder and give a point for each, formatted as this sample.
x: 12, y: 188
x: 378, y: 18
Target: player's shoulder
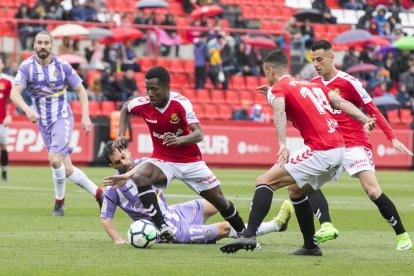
x: 138, y: 102
x: 347, y: 78
x: 178, y: 97
x: 317, y: 79
x: 27, y: 62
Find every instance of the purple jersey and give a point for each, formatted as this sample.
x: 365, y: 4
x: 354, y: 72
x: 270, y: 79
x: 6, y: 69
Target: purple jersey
x: 186, y: 218
x: 46, y: 85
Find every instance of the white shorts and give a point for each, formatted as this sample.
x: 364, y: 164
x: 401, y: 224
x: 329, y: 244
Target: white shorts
x: 3, y: 134
x: 195, y: 174
x: 357, y: 159
x: 314, y: 167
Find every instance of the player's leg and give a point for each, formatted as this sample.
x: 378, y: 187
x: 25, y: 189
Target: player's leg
x: 320, y: 208
x: 82, y: 180
x: 153, y: 172
x: 304, y: 215
x: 386, y: 207
x: 273, y: 179
x: 4, y: 161
x: 59, y: 182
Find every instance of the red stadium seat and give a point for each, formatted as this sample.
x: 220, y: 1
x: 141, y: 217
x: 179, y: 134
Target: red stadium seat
x: 199, y: 110
x: 146, y: 63
x: 232, y: 97
x: 406, y: 116
x: 76, y: 107
x: 139, y: 78
x: 177, y: 65
x: 108, y: 106
x: 164, y: 62
x: 94, y: 108
x: 211, y: 111
x: 189, y: 66
x: 217, y: 96
x: 190, y: 94
x: 237, y: 82
x: 203, y: 96
x: 225, y: 111
x: 393, y: 116
x: 259, y: 99
x: 180, y: 80
x: 246, y: 96
x: 252, y: 82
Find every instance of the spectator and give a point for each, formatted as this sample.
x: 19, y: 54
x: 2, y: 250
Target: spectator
x: 25, y: 30
x: 128, y: 85
x: 364, y: 21
x: 352, y: 4
x: 407, y: 78
x: 378, y: 59
x: 323, y: 7
x: 366, y: 54
x: 95, y: 91
x: 405, y: 99
x: 129, y: 57
x: 111, y: 55
x: 188, y: 6
x: 90, y: 11
x: 151, y: 20
x: 400, y: 65
x: 373, y: 27
x: 54, y: 11
x: 350, y: 59
x: 165, y: 49
x: 200, y: 61
x: 242, y: 114
x: 388, y: 60
x: 77, y: 12
x: 393, y: 21
x: 110, y: 86
x: 296, y: 37
x: 257, y: 114
x: 308, y: 36
x: 227, y: 57
x: 76, y: 47
x: 64, y: 48
x: 244, y: 66
x: 215, y: 71
x: 380, y: 20
x: 397, y: 32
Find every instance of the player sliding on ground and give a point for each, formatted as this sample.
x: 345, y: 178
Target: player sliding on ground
x: 187, y: 219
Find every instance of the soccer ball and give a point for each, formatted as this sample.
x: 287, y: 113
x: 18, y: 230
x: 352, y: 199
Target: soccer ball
x: 142, y: 234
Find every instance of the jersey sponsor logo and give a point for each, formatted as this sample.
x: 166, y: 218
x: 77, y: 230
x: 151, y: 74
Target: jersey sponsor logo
x: 174, y: 119
x: 151, y: 121
x: 332, y: 124
x: 210, y: 179
x: 162, y: 136
x: 359, y: 163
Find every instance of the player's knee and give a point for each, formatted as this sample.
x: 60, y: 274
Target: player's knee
x: 55, y: 161
x: 223, y: 229
x: 374, y: 192
x: 262, y: 180
x: 141, y: 180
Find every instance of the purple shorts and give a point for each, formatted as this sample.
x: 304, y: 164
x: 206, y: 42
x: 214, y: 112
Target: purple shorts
x: 57, y: 135
x: 190, y: 227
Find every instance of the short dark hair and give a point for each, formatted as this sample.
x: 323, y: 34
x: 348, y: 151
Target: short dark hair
x: 277, y: 57
x: 109, y: 150
x: 45, y: 33
x: 160, y: 73
x: 321, y: 44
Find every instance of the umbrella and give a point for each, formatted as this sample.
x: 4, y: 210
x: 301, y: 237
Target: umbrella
x: 210, y: 10
x: 386, y: 49
x: 99, y: 33
x: 378, y: 41
x: 362, y: 67
x: 72, y: 59
x: 387, y: 102
x: 260, y: 41
x: 404, y: 43
x: 352, y: 36
x: 142, y: 4
x: 69, y: 30
x: 121, y: 34
x: 313, y: 15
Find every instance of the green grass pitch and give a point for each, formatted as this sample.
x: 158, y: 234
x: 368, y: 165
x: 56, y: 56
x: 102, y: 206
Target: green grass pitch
x: 32, y: 242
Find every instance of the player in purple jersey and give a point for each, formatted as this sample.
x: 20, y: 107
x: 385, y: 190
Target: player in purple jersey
x: 45, y: 76
x: 187, y: 219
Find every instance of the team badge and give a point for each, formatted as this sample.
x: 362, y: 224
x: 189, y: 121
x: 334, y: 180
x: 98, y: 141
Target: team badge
x: 337, y: 91
x: 174, y: 118
x: 56, y: 73
x: 2, y: 86
x: 104, y: 205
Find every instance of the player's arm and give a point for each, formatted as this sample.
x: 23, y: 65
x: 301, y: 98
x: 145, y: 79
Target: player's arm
x: 337, y: 102
x: 373, y: 111
x: 196, y: 135
x: 111, y: 230
x: 280, y: 121
x: 124, y: 120
x: 16, y: 97
x: 83, y: 99
x: 8, y: 119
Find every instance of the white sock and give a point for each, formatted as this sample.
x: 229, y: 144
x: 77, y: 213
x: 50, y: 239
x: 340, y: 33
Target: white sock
x: 79, y: 178
x: 59, y: 181
x: 264, y: 228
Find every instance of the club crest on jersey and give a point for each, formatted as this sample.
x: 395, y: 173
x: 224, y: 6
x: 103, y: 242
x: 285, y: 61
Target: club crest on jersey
x: 56, y: 73
x: 337, y: 91
x: 2, y: 86
x: 174, y: 118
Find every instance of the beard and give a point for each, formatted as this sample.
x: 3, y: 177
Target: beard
x: 43, y: 54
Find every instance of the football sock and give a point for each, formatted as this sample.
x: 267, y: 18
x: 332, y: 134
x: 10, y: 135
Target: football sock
x: 149, y: 200
x: 319, y: 206
x: 79, y: 178
x: 4, y: 160
x: 262, y: 200
x: 233, y: 217
x: 264, y: 228
x: 304, y: 215
x: 59, y: 181
x: 390, y: 213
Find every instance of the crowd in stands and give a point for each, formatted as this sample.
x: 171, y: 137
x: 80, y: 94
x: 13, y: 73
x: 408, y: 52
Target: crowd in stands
x: 220, y: 55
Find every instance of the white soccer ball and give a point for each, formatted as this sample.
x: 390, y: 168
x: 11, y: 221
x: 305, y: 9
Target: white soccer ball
x: 142, y: 234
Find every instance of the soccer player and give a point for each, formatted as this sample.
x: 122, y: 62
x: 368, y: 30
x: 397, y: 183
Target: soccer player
x: 45, y: 76
x: 5, y: 118
x: 187, y: 219
x: 306, y: 105
x: 358, y: 155
x: 175, y: 132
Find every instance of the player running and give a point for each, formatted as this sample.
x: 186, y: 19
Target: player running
x: 358, y: 154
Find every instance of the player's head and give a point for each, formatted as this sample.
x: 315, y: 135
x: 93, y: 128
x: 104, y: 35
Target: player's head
x: 42, y: 44
x: 275, y: 65
x: 118, y: 158
x: 322, y: 56
x: 157, y: 84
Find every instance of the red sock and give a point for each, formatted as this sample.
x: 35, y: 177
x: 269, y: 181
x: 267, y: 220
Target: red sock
x: 98, y: 194
x: 60, y: 200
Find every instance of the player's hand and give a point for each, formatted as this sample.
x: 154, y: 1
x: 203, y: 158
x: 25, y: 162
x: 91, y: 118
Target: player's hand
x: 171, y: 139
x: 264, y: 89
x: 370, y: 124
x: 86, y: 123
x: 121, y: 242
x: 401, y: 147
x: 119, y: 142
x: 7, y: 120
x: 116, y: 181
x: 283, y: 155
x: 33, y: 116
